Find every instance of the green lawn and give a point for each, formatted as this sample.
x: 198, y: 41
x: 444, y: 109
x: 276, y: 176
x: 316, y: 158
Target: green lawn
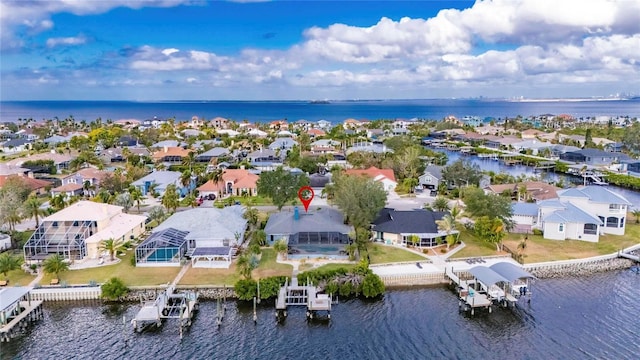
x: 132, y: 276
x: 381, y: 254
x: 266, y: 268
x: 18, y: 278
x: 540, y: 250
x: 329, y: 267
x: 474, y: 246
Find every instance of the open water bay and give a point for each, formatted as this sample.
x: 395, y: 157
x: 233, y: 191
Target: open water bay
x: 593, y: 317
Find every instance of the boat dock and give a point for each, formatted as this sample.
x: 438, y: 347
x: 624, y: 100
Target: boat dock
x: 17, y: 311
x: 628, y: 256
x: 167, y: 305
x: 502, y: 283
x: 302, y: 295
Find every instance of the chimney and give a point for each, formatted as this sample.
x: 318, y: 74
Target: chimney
x: 166, y: 148
x: 30, y: 175
x: 296, y: 213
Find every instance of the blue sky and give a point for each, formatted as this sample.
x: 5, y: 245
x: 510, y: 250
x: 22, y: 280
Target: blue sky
x: 224, y: 50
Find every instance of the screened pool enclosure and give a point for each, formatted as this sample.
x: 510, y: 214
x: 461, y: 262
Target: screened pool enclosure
x: 163, y: 248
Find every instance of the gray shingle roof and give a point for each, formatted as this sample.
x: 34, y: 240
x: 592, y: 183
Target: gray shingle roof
x: 412, y: 221
x: 316, y: 220
x: 208, y: 223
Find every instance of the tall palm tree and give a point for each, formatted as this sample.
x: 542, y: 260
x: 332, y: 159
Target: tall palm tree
x: 448, y: 225
x: 8, y: 263
x: 170, y: 199
x: 111, y: 246
x: 32, y: 208
x: 441, y: 204
x: 246, y: 264
x: 251, y: 215
x: 136, y: 196
x: 185, y: 179
x: 55, y: 264
x: 58, y: 202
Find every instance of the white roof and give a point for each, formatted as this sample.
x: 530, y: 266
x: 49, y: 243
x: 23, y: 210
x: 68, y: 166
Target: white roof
x: 85, y: 211
x: 119, y: 226
x: 208, y: 223
x: 10, y: 295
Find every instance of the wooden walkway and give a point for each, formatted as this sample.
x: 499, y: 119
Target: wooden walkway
x: 302, y: 295
x: 32, y: 312
x: 469, y: 297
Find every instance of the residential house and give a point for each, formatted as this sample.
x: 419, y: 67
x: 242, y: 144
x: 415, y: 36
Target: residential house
x: 191, y: 133
x: 172, y: 155
x: 89, y: 175
x: 166, y: 144
x: 324, y: 124
x: 584, y: 213
x: 614, y: 147
x: 264, y: 159
x: 368, y: 147
x: 219, y: 123
x: 384, y: 176
x: 257, y: 133
x: 351, y: 124
x: 236, y: 182
x: 535, y: 190
x: 431, y: 178
x: 113, y: 155
x: 593, y: 157
x: 228, y: 132
x: 27, y: 134
x: 208, y: 236
x: 535, y: 146
x: 319, y: 232
x: 397, y: 227
x: 212, y: 154
x: 375, y: 133
x: 68, y: 190
x: 313, y: 133
x: 37, y: 186
x: 284, y: 144
x: 76, y: 231
x: 160, y: 180
x: 16, y: 145
x: 525, y: 217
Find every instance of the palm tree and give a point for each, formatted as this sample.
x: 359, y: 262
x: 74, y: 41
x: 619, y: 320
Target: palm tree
x: 441, y: 204
x: 170, y: 200
x: 31, y: 208
x: 281, y: 247
x: 124, y: 200
x: 456, y: 212
x: 8, y: 263
x: 246, y: 264
x: 58, y: 202
x: 448, y: 225
x: 136, y: 196
x: 185, y: 179
x: 111, y: 246
x: 251, y: 215
x: 636, y: 213
x: 55, y: 264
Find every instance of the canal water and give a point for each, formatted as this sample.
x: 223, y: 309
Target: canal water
x: 593, y: 317
x: 516, y: 170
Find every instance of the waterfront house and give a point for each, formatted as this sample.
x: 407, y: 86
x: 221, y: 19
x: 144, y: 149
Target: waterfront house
x: 76, y: 231
x: 235, y: 182
x: 561, y: 220
x: 593, y: 157
x: 15, y: 145
x: 535, y: 190
x: 610, y: 207
x: 385, y: 176
x: 160, y: 180
x: 368, y: 147
x: 431, y: 177
x: 314, y: 133
x: 37, y: 186
x: 219, y: 123
x: 60, y: 161
x: 533, y: 145
x: 397, y: 226
x: 320, y: 232
x: 207, y: 236
x: 324, y: 124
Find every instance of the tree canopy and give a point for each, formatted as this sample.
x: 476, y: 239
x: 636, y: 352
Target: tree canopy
x: 281, y: 185
x: 360, y: 199
x: 490, y: 205
x: 462, y: 172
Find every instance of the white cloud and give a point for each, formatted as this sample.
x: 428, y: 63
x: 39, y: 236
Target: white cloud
x: 66, y: 41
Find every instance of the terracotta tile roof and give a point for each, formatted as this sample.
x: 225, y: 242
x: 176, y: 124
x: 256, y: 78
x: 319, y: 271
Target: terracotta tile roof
x: 241, y: 178
x: 171, y: 151
x: 68, y: 187
x: 373, y: 172
x: 92, y: 173
x: 316, y: 132
x: 537, y: 190
x: 34, y: 184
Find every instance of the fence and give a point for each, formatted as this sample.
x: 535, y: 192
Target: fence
x: 51, y: 293
x: 414, y: 279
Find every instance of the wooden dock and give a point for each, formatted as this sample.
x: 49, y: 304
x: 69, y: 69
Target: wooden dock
x: 17, y: 311
x: 628, y: 256
x: 302, y: 295
x: 469, y: 295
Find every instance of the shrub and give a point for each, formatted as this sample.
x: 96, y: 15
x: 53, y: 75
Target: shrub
x: 246, y: 289
x: 114, y: 289
x: 372, y: 286
x: 537, y: 232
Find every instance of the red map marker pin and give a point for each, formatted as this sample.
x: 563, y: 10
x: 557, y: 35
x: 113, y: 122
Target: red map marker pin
x: 305, y: 194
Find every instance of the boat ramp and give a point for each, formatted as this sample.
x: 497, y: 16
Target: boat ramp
x: 302, y: 295
x: 169, y: 304
x: 502, y: 284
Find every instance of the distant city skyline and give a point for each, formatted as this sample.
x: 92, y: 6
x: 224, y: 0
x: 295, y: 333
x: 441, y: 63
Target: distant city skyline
x: 305, y: 50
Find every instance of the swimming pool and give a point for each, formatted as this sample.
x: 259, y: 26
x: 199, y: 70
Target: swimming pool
x: 162, y: 255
